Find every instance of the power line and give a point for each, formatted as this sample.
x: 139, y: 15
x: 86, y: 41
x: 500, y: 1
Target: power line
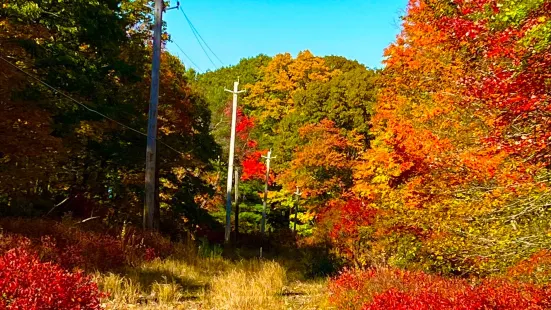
x: 57, y: 91
x: 193, y: 30
x: 199, y: 38
x: 181, y: 50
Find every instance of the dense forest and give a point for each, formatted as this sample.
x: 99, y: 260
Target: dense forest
x: 423, y: 185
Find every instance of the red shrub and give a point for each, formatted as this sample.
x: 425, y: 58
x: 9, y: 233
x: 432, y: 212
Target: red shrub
x: 26, y: 283
x: 150, y: 254
x: 71, y: 247
x: 378, y: 289
x: 349, y: 224
x: 535, y: 269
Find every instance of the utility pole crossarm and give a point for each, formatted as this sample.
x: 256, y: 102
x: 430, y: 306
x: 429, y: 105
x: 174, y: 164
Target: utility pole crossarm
x: 174, y: 7
x: 235, y: 92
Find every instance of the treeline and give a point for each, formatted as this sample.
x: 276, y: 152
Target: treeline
x: 438, y: 162
x: 313, y: 112
x: 86, y: 155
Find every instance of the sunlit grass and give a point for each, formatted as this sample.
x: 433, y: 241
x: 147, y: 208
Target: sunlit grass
x: 249, y: 285
x: 204, y: 283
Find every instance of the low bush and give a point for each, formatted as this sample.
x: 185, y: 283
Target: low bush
x: 27, y: 283
x: 375, y: 289
x: 535, y: 269
x: 72, y: 247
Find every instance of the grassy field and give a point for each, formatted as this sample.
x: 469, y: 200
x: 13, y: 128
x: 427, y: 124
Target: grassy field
x: 137, y: 270
x: 210, y: 283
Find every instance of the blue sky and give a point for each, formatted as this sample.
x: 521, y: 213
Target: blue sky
x: 234, y: 29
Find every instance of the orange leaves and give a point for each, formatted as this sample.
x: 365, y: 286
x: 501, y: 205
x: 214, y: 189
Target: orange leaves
x: 322, y: 165
x: 426, y: 140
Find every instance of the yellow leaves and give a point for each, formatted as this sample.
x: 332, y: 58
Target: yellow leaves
x: 272, y: 97
x: 179, y: 172
x: 90, y: 130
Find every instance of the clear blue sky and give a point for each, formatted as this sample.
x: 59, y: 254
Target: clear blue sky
x: 234, y: 29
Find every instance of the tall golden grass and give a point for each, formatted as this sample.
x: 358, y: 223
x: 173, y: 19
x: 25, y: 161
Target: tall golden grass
x: 250, y: 285
x: 205, y: 283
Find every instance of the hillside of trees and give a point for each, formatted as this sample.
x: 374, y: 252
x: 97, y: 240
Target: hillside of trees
x: 423, y: 185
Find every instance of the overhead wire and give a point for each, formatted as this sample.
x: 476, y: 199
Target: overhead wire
x: 199, y: 38
x: 181, y: 50
x: 57, y: 91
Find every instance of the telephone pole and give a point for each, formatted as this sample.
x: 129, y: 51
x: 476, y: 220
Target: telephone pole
x: 235, y: 92
x: 236, y: 193
x: 298, y: 193
x: 151, y: 176
x: 151, y: 151
x: 268, y: 158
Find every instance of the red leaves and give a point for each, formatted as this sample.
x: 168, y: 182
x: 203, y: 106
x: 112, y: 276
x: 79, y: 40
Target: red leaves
x: 251, y: 159
x: 27, y: 283
x: 72, y: 248
x: 345, y: 220
x: 253, y: 167
x: 375, y: 289
x: 489, y: 295
x: 350, y: 216
x: 244, y: 125
x: 511, y: 82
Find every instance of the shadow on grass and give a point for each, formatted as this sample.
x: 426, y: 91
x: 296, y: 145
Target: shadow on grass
x: 147, y: 278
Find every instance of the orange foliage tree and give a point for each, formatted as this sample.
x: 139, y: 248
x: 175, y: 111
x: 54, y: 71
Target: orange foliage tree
x: 446, y: 161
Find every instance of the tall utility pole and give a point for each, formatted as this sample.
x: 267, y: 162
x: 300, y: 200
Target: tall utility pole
x: 151, y: 151
x: 235, y: 92
x: 236, y: 192
x: 268, y: 158
x: 298, y: 193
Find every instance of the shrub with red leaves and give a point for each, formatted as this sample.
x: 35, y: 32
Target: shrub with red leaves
x: 378, y: 289
x: 71, y: 247
x: 27, y: 283
x: 350, y: 225
x: 535, y: 269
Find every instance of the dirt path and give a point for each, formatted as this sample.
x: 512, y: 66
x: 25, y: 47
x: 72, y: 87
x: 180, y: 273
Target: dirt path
x: 306, y: 295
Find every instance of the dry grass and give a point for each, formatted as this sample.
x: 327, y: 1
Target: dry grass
x: 251, y: 285
x: 120, y: 289
x: 307, y: 295
x: 209, y: 283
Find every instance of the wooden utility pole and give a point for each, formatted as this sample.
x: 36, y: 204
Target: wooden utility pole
x: 236, y: 192
x: 298, y: 193
x: 151, y: 151
x: 268, y: 158
x: 235, y: 92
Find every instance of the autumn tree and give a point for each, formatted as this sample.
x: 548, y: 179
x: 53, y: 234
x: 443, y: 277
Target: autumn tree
x: 456, y: 195
x: 97, y: 53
